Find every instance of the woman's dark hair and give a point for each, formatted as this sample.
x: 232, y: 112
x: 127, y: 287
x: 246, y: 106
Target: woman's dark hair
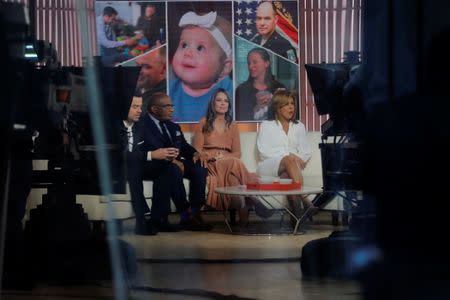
x: 211, y: 112
x: 268, y: 77
x: 281, y: 98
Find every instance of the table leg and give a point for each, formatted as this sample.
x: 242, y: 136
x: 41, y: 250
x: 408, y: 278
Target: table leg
x: 297, y: 223
x: 303, y: 217
x: 225, y: 212
x: 306, y: 214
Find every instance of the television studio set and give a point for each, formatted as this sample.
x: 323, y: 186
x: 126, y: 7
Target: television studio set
x: 171, y: 149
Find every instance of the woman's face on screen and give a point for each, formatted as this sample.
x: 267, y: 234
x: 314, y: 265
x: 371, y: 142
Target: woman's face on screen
x: 257, y: 66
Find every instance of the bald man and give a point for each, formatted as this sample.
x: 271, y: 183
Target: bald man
x: 266, y: 21
x: 152, y: 77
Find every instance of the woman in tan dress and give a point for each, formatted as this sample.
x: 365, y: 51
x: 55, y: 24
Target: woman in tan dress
x: 217, y: 136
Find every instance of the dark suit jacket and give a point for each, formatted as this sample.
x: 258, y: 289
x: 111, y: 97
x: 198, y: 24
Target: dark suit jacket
x: 153, y: 138
x: 133, y: 160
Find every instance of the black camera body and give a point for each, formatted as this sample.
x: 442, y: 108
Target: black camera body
x: 68, y: 139
x: 341, y: 146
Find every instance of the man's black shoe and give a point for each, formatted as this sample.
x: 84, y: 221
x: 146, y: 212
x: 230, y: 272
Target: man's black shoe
x: 145, y: 228
x: 195, y: 223
x: 167, y: 227
x: 199, y: 219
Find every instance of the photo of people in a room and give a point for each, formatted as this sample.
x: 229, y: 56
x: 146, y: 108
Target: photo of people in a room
x: 259, y: 73
x: 270, y: 24
x: 200, y: 56
x: 128, y: 29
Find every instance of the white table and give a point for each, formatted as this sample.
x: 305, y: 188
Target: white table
x: 264, y: 194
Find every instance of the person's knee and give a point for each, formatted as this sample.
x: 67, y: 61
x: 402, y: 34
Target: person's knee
x: 288, y: 160
x: 170, y: 173
x: 174, y: 172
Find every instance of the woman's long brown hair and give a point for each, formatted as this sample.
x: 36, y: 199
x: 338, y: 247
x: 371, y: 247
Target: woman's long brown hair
x: 211, y: 113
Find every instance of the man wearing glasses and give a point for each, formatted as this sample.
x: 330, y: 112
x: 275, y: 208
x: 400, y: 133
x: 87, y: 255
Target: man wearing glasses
x: 174, y: 155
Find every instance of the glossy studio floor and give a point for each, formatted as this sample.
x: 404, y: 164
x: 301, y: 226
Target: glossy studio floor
x: 214, y: 265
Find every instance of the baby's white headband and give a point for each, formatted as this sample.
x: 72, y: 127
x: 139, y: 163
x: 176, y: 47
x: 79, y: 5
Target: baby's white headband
x: 207, y: 22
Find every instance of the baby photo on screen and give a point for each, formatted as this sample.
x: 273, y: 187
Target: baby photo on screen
x: 200, y: 56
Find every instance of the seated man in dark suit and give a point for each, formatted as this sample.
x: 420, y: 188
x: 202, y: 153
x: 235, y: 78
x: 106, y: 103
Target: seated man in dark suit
x: 138, y: 166
x: 159, y: 134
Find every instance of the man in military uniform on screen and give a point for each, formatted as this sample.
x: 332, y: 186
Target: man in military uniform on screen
x: 266, y: 21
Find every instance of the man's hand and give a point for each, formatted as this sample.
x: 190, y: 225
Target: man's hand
x: 179, y: 165
x: 165, y: 153
x: 202, y: 157
x: 129, y: 42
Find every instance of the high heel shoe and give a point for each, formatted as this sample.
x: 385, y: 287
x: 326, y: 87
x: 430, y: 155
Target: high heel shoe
x: 262, y: 211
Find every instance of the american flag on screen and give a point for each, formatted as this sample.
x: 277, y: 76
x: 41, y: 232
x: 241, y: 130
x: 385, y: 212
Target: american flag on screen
x: 245, y: 15
x: 244, y: 18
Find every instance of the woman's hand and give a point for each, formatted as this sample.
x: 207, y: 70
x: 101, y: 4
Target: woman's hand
x: 300, y: 163
x: 253, y: 177
x: 263, y: 98
x: 219, y: 155
x: 201, y: 157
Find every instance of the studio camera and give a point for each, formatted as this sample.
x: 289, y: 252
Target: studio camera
x: 46, y: 120
x: 337, y: 95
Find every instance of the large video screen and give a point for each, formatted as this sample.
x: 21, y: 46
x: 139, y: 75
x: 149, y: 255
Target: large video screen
x: 189, y: 49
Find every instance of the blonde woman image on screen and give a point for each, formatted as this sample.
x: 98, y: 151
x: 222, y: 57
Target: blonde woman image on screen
x: 282, y: 145
x: 217, y: 137
x: 202, y: 63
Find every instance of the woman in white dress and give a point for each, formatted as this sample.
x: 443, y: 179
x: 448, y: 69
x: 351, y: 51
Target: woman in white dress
x: 282, y: 146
